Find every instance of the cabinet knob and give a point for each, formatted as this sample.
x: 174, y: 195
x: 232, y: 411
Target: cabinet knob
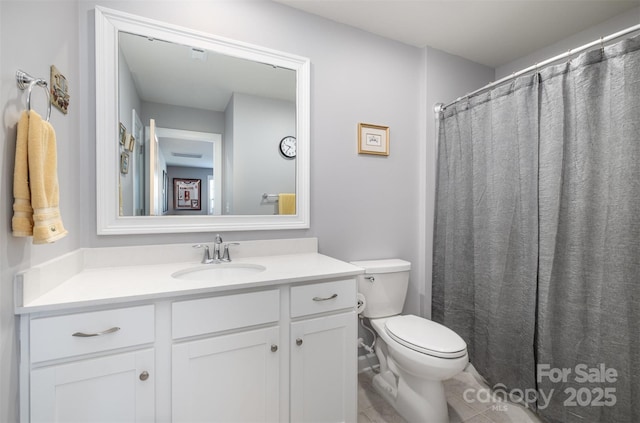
x: 144, y: 375
x: 274, y: 348
x: 299, y: 341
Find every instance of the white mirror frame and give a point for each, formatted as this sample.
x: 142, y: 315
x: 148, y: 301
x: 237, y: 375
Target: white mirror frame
x: 108, y: 23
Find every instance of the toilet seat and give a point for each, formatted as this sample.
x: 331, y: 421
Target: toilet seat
x: 425, y: 336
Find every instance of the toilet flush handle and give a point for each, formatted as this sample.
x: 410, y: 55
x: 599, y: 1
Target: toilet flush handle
x: 370, y: 278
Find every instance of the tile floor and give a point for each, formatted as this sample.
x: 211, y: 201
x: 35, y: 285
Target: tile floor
x: 372, y: 408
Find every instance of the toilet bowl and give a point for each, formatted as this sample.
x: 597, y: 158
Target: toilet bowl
x: 415, y: 354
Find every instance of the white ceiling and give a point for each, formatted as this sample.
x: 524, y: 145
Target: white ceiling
x: 490, y: 32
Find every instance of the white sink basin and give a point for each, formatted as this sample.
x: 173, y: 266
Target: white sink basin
x: 218, y: 272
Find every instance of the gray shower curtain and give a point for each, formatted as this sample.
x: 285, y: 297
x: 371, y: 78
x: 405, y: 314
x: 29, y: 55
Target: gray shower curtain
x: 486, y: 245
x: 537, y: 236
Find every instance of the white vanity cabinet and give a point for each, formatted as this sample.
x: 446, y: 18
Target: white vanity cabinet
x: 93, y: 367
x: 324, y: 352
x: 233, y: 373
x: 277, y: 353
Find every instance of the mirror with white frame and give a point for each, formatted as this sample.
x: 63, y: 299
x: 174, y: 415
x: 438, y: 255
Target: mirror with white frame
x: 159, y: 122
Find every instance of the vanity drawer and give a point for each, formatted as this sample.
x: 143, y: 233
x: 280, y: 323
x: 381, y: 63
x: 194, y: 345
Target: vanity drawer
x: 83, y: 333
x: 216, y: 314
x: 323, y: 297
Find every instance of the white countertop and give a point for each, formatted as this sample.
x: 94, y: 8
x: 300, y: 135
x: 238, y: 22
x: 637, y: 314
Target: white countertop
x: 88, y: 280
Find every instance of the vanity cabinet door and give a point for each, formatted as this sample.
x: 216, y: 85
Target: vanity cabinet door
x: 227, y: 378
x: 324, y: 369
x: 114, y: 388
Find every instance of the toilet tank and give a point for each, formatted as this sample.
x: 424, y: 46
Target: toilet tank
x: 384, y: 286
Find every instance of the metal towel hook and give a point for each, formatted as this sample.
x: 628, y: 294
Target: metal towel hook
x: 27, y: 81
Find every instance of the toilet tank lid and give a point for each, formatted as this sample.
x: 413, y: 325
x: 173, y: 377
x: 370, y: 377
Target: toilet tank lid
x: 383, y: 266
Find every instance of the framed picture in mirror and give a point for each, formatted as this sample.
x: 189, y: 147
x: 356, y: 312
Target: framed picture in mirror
x: 122, y: 134
x: 186, y: 194
x: 124, y: 163
x: 131, y: 143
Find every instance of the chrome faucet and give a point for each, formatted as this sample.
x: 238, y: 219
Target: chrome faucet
x: 220, y: 252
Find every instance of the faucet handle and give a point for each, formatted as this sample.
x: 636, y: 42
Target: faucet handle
x: 206, y: 257
x: 218, y: 239
x: 225, y: 252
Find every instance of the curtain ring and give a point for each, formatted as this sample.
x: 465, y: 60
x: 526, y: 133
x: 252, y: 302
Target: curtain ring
x: 568, y: 56
x: 602, y: 46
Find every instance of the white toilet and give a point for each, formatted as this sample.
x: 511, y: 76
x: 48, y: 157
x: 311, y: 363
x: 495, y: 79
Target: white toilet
x: 415, y: 354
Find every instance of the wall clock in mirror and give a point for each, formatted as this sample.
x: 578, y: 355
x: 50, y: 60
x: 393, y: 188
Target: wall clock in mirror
x: 288, y: 147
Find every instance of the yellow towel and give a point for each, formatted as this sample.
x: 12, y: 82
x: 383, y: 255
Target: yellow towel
x: 286, y: 203
x: 41, y: 182
x: 22, y: 221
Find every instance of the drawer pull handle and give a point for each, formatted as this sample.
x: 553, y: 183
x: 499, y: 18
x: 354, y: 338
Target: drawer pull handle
x: 298, y: 341
x: 325, y: 299
x: 88, y: 335
x: 274, y: 348
x: 144, y: 375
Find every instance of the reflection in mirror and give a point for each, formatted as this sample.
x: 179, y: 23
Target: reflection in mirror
x: 191, y: 105
x: 250, y: 104
x: 181, y: 154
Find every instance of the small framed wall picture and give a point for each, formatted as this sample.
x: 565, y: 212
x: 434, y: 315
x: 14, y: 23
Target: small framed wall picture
x: 131, y: 143
x: 122, y: 134
x: 186, y: 194
x: 124, y: 163
x: 373, y: 139
x: 59, y: 90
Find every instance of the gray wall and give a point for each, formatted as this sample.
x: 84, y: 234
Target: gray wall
x: 346, y: 90
x: 128, y: 100
x: 259, y: 124
x: 355, y: 199
x: 33, y: 36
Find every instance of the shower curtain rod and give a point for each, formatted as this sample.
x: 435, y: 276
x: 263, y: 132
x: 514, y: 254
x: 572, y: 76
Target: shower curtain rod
x: 440, y: 107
